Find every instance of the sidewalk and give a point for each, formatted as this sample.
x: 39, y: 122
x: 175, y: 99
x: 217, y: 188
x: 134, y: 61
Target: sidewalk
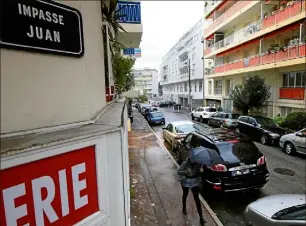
x: 155, y: 191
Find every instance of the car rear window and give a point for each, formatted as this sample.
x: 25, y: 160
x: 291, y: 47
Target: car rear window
x: 231, y: 150
x: 186, y: 128
x: 211, y: 109
x: 157, y: 114
x: 234, y: 116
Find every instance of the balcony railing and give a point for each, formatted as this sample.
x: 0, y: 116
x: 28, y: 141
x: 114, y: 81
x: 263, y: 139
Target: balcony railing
x: 226, y: 15
x: 289, y: 53
x: 292, y: 93
x: 129, y: 12
x: 242, y: 34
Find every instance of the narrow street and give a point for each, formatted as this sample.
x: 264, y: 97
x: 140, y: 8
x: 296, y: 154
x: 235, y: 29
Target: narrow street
x: 287, y: 175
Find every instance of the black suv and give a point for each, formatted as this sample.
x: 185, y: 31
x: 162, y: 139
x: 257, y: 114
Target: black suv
x: 260, y: 128
x: 243, y: 168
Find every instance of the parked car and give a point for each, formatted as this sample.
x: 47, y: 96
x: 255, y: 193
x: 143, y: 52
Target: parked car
x: 242, y: 167
x: 144, y: 107
x: 223, y: 120
x: 203, y: 113
x: 137, y: 105
x: 178, y: 130
x: 147, y: 110
x: 260, y: 129
x: 164, y: 104
x: 274, y: 210
x: 155, y: 117
x: 141, y: 106
x: 294, y: 142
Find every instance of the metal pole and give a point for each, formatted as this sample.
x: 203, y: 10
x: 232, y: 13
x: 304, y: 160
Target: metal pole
x: 203, y: 81
x: 189, y: 81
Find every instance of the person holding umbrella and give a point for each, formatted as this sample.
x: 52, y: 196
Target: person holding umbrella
x: 190, y: 171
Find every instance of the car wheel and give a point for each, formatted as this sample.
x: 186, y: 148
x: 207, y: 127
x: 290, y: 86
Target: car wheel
x: 264, y: 139
x: 192, y: 117
x: 237, y: 130
x: 289, y: 148
x: 208, y: 122
x: 201, y: 119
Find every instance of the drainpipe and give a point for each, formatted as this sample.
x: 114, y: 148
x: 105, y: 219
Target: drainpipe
x: 203, y: 81
x: 301, y: 29
x: 261, y: 11
x: 274, y: 93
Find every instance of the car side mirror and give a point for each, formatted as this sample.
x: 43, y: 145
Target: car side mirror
x: 299, y: 134
x: 163, y: 128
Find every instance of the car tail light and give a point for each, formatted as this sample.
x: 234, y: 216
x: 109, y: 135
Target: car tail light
x: 218, y: 168
x: 261, y: 161
x: 233, y: 141
x: 179, y: 136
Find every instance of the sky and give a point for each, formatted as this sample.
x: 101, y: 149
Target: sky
x: 164, y: 22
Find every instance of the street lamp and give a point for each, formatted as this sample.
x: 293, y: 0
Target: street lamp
x: 203, y: 82
x: 189, y: 83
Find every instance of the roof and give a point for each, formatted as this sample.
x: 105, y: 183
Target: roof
x: 270, y: 205
x: 221, y: 135
x: 178, y: 123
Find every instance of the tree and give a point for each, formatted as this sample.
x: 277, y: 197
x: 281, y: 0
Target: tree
x: 252, y: 94
x: 122, y: 70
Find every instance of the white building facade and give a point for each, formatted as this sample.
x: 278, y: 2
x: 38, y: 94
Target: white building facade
x: 174, y: 74
x: 146, y: 80
x: 64, y: 145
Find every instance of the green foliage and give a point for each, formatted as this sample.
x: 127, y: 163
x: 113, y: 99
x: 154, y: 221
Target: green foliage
x: 252, y: 94
x: 144, y: 97
x: 279, y: 120
x: 295, y: 121
x: 122, y: 71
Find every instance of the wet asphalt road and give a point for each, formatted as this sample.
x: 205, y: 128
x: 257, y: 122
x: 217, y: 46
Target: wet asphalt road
x: 229, y: 207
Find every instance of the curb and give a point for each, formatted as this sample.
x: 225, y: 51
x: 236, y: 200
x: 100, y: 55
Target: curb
x: 210, y: 211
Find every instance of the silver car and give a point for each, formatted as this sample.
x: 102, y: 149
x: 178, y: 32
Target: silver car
x: 277, y: 210
x: 294, y: 142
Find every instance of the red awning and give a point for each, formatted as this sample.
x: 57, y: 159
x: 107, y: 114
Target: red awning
x: 238, y: 47
x: 210, y: 37
x: 218, y: 7
x: 282, y: 30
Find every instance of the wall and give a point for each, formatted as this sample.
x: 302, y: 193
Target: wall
x: 41, y: 90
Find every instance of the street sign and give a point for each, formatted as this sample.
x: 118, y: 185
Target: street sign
x: 41, y: 26
x: 59, y: 190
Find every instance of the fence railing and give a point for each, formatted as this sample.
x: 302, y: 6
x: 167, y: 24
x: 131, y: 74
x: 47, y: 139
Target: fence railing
x: 289, y: 11
x: 289, y: 53
x: 129, y: 12
x: 226, y: 15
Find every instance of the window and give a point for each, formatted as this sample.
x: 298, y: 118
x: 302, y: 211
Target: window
x: 193, y: 56
x: 209, y: 87
x: 185, y: 84
x: 294, y: 79
x: 188, y: 139
x: 195, y: 87
x: 252, y: 121
x: 243, y: 119
x: 292, y: 213
x: 170, y: 128
x: 200, y: 86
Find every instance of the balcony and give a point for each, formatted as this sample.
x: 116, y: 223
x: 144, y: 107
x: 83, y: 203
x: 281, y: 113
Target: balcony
x: 289, y: 53
x: 245, y: 33
x: 130, y: 20
x: 226, y: 15
x: 292, y: 93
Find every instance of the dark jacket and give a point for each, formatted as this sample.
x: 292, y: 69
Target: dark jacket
x: 189, y: 174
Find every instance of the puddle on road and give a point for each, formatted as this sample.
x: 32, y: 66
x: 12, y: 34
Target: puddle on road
x: 284, y: 171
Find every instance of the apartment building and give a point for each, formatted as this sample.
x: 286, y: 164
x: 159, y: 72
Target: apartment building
x: 146, y: 79
x: 62, y: 142
x: 186, y: 54
x: 262, y: 37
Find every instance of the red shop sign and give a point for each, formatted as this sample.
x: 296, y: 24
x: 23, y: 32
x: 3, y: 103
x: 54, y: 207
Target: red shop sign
x: 60, y: 190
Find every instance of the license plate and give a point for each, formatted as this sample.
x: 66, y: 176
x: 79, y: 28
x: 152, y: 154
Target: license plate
x: 240, y: 172
x: 158, y: 122
x: 242, y: 167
